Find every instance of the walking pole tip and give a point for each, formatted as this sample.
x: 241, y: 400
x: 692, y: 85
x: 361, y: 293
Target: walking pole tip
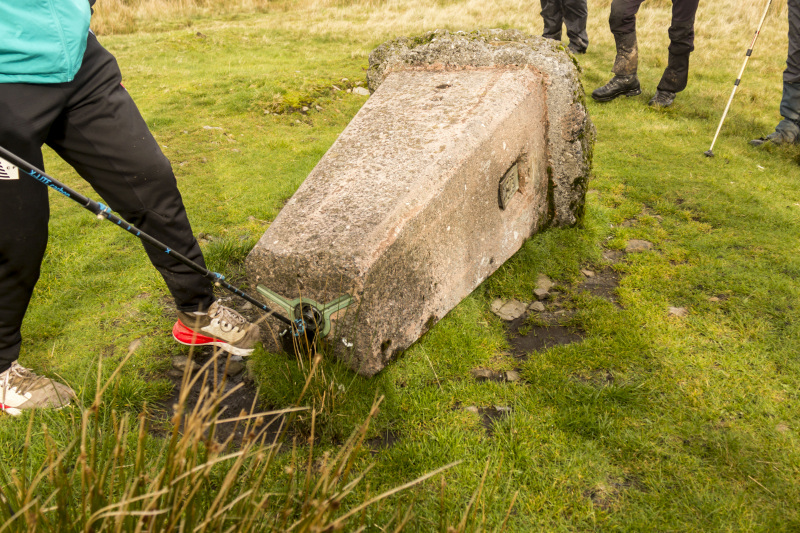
x: 709, y: 153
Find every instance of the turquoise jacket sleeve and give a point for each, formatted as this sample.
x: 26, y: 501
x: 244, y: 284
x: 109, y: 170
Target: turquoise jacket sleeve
x: 43, y: 41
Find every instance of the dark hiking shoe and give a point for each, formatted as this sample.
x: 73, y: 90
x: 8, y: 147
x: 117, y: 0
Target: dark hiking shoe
x: 786, y: 132
x: 21, y: 388
x: 618, y: 86
x: 576, y: 49
x: 221, y: 327
x: 662, y: 99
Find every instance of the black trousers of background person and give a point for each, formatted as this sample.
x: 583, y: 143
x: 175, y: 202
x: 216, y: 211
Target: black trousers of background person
x: 622, y: 20
x: 570, y: 13
x: 94, y: 125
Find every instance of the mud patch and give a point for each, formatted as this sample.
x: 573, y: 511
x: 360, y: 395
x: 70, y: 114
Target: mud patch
x: 543, y: 337
x: 603, y: 284
x: 386, y: 439
x: 241, y: 401
x: 491, y: 415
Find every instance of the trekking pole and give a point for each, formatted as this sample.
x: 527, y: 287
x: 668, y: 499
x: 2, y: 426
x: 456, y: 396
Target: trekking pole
x: 103, y: 212
x: 710, y: 152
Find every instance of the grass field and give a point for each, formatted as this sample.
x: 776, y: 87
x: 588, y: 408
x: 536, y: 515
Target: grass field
x: 653, y: 422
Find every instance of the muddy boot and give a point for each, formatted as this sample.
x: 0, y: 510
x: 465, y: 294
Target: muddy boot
x: 788, y: 130
x: 626, y: 63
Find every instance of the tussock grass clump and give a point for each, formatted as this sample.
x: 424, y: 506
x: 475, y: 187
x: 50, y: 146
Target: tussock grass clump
x: 108, y: 479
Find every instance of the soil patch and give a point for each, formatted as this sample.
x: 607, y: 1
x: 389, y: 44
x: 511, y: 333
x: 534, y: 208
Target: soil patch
x: 386, y: 439
x: 491, y: 415
x: 543, y: 337
x: 603, y: 284
x: 243, y: 399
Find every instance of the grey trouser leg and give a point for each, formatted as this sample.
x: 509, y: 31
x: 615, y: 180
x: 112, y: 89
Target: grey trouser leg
x: 789, y: 127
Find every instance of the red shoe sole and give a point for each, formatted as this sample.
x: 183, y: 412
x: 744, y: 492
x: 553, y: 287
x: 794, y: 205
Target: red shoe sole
x: 186, y: 336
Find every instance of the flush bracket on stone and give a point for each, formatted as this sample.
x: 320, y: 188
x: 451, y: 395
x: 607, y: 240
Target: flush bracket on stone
x: 509, y: 185
x: 298, y: 308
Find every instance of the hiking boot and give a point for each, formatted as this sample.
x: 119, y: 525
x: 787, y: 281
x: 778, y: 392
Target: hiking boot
x: 221, y: 327
x: 662, y: 99
x: 618, y: 86
x: 575, y: 49
x: 777, y: 137
x: 21, y: 388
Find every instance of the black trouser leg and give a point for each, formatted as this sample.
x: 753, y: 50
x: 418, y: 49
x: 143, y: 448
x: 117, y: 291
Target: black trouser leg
x: 108, y: 143
x: 575, y: 15
x: 94, y: 125
x: 681, y: 36
x: 553, y: 19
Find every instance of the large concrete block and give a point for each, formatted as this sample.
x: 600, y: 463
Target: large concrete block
x: 468, y: 145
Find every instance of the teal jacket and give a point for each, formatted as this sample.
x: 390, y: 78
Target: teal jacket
x: 42, y: 41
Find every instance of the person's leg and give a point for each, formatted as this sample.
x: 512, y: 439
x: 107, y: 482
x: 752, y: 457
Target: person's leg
x: 788, y: 129
x: 681, y: 37
x: 553, y: 19
x: 622, y: 22
x: 26, y: 111
x: 104, y: 137
x: 576, y: 13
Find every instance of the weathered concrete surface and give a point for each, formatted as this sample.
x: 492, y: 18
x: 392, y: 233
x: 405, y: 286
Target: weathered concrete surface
x: 403, y: 211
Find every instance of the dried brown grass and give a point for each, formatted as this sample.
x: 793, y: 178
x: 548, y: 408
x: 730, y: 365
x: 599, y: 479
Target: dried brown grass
x: 372, y: 18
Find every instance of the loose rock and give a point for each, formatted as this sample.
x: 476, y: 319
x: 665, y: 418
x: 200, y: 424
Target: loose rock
x: 537, y: 306
x: 361, y: 91
x: 543, y: 282
x: 510, y: 310
x: 587, y: 273
x: 541, y: 294
x: 678, y: 311
x: 637, y: 245
x: 179, y: 362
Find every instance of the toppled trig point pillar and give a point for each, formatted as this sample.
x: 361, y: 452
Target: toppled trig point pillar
x: 469, y: 144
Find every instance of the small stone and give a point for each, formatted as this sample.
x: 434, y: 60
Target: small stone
x: 638, y: 245
x: 179, y: 362
x: 612, y: 256
x: 471, y: 409
x: 678, y: 311
x: 361, y: 91
x: 512, y: 310
x: 482, y: 374
x: 247, y: 306
x: 537, y: 306
x: 588, y: 273
x: 497, y: 304
x: 305, y: 109
x: 235, y: 367
x: 512, y: 375
x: 543, y: 282
x: 174, y: 374
x: 541, y: 294
x: 713, y: 299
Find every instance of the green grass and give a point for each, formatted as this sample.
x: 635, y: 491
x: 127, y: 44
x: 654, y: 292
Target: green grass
x: 697, y: 432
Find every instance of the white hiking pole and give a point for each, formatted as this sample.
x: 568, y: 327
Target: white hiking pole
x: 710, y: 152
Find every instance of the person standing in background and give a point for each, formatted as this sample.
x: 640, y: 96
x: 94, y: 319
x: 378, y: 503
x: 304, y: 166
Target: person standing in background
x: 788, y: 130
x: 622, y: 22
x: 573, y: 14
